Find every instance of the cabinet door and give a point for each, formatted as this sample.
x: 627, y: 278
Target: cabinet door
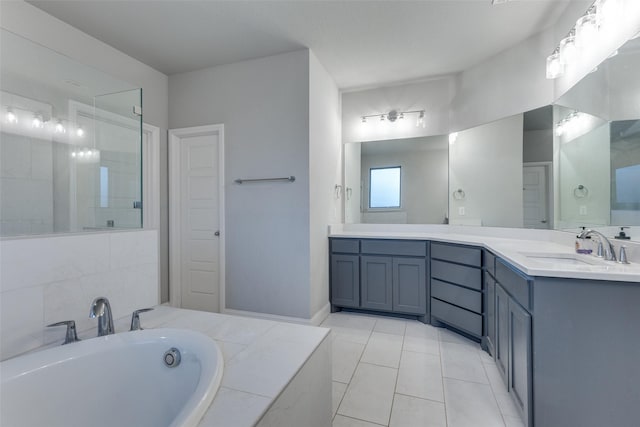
x: 520, y: 358
x: 502, y: 332
x: 376, y: 282
x: 490, y: 312
x: 409, y: 285
x: 345, y: 280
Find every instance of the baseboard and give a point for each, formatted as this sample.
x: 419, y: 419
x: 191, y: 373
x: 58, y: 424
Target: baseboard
x: 320, y: 315
x: 267, y: 316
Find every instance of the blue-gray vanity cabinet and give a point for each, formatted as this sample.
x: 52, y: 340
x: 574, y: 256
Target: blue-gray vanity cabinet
x: 410, y: 286
x: 377, y: 282
x: 344, y: 273
x: 501, y: 307
x: 456, y: 287
x: 513, y: 339
x: 520, y: 359
x: 489, y: 301
x: 345, y: 280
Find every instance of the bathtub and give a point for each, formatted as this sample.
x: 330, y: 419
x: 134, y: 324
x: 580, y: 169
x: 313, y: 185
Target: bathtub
x: 116, y: 380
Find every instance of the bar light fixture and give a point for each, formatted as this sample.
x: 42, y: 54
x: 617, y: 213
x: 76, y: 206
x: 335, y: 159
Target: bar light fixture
x: 395, y: 115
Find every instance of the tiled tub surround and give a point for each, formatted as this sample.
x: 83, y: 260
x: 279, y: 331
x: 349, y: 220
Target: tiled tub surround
x: 52, y: 278
x: 509, y: 244
x: 275, y: 374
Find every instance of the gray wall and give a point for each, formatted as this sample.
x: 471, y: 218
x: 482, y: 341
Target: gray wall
x: 537, y: 146
x: 264, y: 106
x: 325, y: 171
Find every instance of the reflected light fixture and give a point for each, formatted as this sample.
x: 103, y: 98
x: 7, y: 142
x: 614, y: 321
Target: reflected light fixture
x: 60, y: 127
x: 568, y: 51
x: 11, y: 116
x: 80, y: 131
x: 37, y: 122
x: 453, y: 137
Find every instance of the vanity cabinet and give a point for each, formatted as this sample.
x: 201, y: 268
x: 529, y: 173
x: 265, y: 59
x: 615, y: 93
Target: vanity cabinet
x: 380, y: 275
x: 345, y: 272
x: 513, y: 339
x: 489, y: 300
x: 457, y: 288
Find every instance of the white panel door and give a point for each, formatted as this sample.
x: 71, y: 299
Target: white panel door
x: 535, y: 197
x: 199, y: 227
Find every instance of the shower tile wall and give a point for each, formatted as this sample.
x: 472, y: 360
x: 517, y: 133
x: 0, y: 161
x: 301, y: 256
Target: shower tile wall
x: 49, y: 279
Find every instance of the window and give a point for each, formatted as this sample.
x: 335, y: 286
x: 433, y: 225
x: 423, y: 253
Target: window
x: 384, y: 187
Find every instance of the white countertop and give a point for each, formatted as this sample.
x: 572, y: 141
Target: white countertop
x: 522, y: 250
x: 260, y: 358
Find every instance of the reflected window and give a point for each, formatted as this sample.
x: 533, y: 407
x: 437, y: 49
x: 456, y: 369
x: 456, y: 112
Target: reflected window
x: 104, y: 187
x: 384, y: 187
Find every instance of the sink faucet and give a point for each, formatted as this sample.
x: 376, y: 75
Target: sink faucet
x: 101, y: 309
x: 609, y: 249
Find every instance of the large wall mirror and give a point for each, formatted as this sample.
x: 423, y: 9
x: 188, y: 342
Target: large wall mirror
x: 70, y: 144
x: 572, y: 164
x: 597, y: 136
x: 402, y: 181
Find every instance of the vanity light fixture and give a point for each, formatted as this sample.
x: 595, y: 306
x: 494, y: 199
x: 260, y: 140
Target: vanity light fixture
x: 11, y: 116
x: 601, y: 17
x: 395, y: 115
x: 555, y: 67
x: 80, y: 132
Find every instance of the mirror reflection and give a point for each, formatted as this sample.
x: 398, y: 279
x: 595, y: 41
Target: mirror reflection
x: 70, y: 144
x: 371, y: 187
x: 597, y: 134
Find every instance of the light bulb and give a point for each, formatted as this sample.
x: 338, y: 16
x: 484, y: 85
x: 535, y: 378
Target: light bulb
x: 11, y: 116
x: 554, y: 66
x: 80, y: 131
x: 60, y: 127
x: 401, y: 116
x: 73, y: 154
x: 586, y: 30
x: 37, y: 122
x: 453, y: 137
x: 364, y: 119
x: 420, y: 122
x: 382, y: 117
x: 568, y: 50
x: 80, y: 153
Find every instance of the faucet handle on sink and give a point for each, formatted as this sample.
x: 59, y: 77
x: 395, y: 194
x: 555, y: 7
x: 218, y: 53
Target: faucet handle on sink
x: 135, y: 319
x: 71, y: 335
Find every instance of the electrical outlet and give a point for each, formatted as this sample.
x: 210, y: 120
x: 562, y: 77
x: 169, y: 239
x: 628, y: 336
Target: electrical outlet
x: 461, y: 211
x: 583, y: 210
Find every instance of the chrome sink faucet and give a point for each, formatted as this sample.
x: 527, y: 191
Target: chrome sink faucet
x: 609, y: 249
x: 101, y: 309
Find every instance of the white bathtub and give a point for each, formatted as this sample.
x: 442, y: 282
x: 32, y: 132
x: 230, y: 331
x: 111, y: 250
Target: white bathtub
x: 117, y: 380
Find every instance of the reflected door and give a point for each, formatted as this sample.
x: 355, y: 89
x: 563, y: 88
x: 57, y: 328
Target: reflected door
x: 535, y: 197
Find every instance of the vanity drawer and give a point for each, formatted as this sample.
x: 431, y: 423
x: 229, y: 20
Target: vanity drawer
x: 459, y: 274
x: 489, y: 263
x: 347, y: 246
x: 462, y: 297
x: 456, y: 316
x: 515, y: 283
x: 394, y: 247
x: 456, y: 253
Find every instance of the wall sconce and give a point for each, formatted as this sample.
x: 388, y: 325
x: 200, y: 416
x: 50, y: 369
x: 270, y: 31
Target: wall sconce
x: 11, y: 116
x: 395, y: 115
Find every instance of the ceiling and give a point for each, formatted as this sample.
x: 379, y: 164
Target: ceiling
x: 360, y: 43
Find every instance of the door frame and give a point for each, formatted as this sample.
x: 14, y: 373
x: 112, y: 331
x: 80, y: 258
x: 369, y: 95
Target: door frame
x: 175, y: 234
x: 548, y: 166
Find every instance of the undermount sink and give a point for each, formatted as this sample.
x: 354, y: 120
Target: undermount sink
x: 567, y: 259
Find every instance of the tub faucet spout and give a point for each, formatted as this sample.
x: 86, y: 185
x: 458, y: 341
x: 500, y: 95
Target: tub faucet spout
x: 101, y: 309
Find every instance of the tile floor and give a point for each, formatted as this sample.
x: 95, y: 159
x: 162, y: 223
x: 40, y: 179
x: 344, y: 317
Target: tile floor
x: 403, y: 373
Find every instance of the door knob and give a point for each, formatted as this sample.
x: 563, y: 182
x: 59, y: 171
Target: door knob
x: 544, y: 221
x: 217, y: 233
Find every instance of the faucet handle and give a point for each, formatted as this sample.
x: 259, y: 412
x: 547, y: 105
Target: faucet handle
x: 623, y: 255
x: 135, y: 319
x: 600, y: 252
x: 71, y: 335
